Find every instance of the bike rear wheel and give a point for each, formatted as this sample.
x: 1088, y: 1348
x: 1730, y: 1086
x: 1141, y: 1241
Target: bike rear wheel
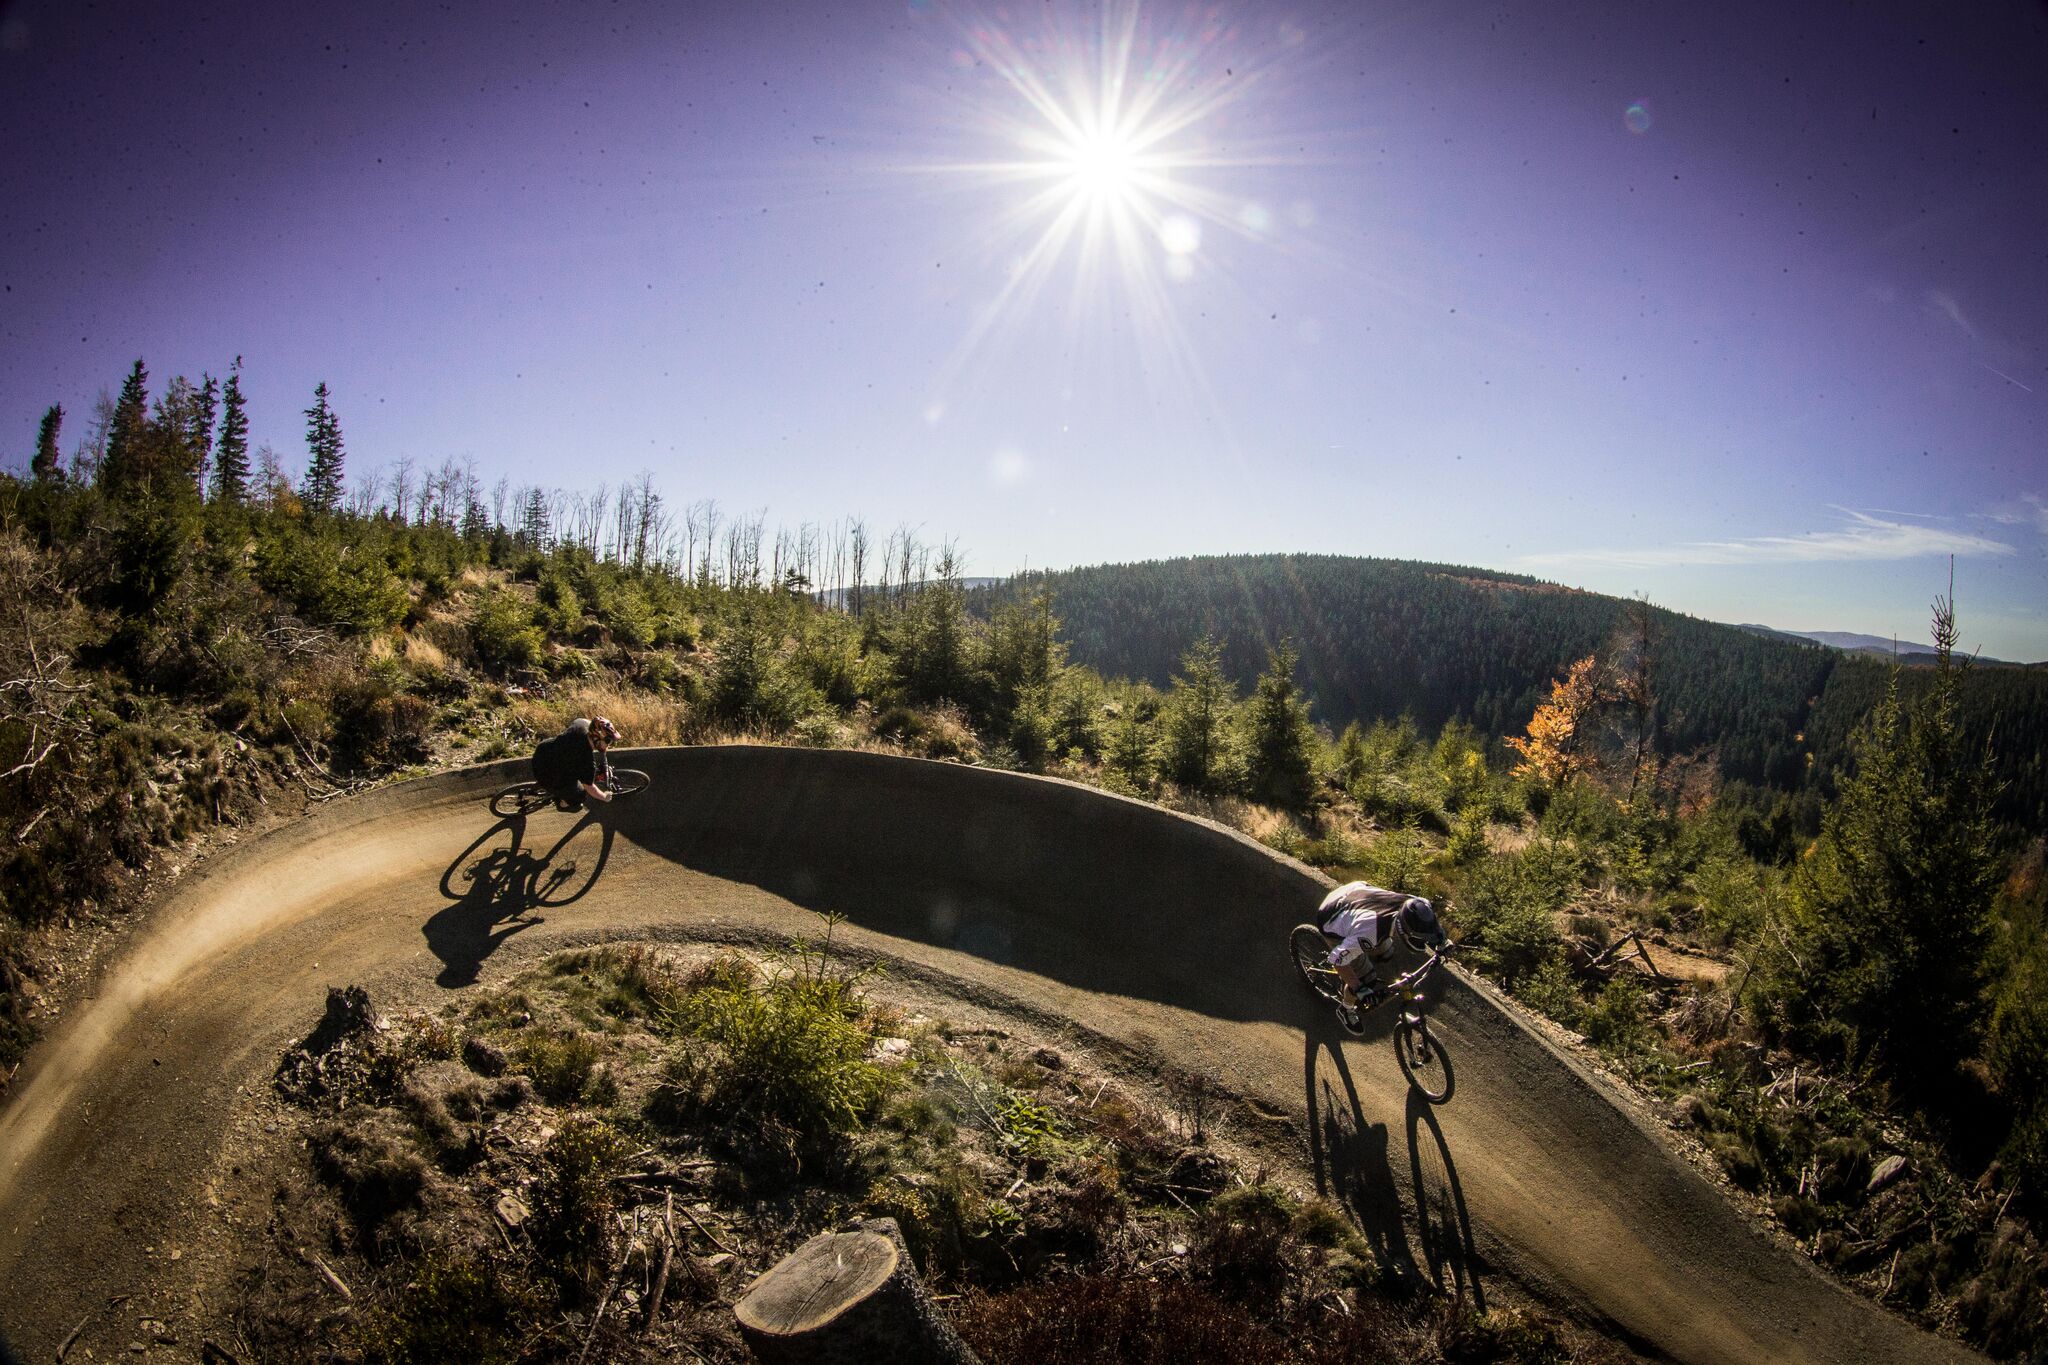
x: 1424, y: 1061
x: 1312, y: 959
x: 521, y: 798
x: 628, y: 781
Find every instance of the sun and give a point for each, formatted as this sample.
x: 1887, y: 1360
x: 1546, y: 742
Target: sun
x: 1104, y: 168
x: 1117, y: 156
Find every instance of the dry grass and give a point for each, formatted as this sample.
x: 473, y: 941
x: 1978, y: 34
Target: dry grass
x: 1502, y: 839
x: 643, y: 719
x: 1259, y: 822
x: 421, y: 652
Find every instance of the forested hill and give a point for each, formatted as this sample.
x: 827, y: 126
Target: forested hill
x: 1381, y: 637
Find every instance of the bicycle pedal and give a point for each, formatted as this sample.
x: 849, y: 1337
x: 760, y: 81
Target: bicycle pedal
x: 1352, y: 1020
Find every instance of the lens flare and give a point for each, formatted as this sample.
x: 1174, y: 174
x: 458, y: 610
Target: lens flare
x: 1636, y: 118
x: 1115, y: 137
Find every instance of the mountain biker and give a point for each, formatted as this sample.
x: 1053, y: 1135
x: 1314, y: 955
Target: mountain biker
x: 570, y: 764
x: 1366, y: 920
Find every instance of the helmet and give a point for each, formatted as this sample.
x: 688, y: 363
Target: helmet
x: 1420, y: 927
x: 600, y: 728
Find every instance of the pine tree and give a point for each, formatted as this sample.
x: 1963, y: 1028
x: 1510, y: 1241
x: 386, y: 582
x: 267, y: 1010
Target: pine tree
x: 1129, y: 751
x: 1892, y: 910
x: 322, y: 490
x: 1282, y: 772
x: 231, y: 450
x: 44, y: 467
x: 125, y: 464
x: 171, y: 430
x: 533, y: 519
x: 1196, y: 714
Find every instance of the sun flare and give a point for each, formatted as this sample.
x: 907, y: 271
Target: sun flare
x: 1122, y: 159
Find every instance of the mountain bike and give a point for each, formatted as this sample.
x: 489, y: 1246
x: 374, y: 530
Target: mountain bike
x: 525, y: 798
x: 1421, y: 1053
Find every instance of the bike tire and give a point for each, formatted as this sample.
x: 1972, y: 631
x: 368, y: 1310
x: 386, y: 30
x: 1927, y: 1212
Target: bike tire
x: 629, y: 781
x: 521, y: 798
x: 1424, y: 1061
x: 1311, y: 952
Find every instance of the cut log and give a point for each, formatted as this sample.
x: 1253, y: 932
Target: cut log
x: 844, y: 1298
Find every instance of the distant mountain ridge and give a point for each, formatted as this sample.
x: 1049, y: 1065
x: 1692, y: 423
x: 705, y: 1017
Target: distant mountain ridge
x: 1380, y: 638
x: 1849, y: 641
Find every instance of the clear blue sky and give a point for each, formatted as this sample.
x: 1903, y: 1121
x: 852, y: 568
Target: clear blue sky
x: 1743, y: 306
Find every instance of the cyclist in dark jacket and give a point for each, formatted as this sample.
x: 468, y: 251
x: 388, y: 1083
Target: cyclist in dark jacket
x: 570, y: 764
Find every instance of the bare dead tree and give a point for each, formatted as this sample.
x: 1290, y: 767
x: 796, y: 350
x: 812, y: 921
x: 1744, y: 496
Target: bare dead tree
x: 362, y: 494
x: 743, y: 550
x: 402, y: 488
x: 857, y: 536
x: 647, y: 519
x: 272, y: 483
x: 1631, y: 685
x: 835, y: 563
x: 92, y: 447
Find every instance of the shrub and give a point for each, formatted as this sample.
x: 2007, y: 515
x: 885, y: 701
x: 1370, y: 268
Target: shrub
x: 751, y: 684
x: 1509, y: 910
x: 1242, y: 1247
x: 1731, y: 896
x: 374, y: 726
x: 375, y: 1175
x: 456, y: 1306
x: 574, y: 1199
x: 1398, y: 858
x: 1467, y: 843
x: 559, y: 1063
x: 503, y: 634
x: 794, y: 1056
x: 1619, y: 1021
x: 1550, y: 990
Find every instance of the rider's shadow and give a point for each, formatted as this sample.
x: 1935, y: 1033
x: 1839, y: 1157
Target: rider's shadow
x: 495, y: 891
x: 1349, y: 1155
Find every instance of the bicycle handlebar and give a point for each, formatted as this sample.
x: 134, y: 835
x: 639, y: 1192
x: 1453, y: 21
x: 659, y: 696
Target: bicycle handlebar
x: 1436, y: 955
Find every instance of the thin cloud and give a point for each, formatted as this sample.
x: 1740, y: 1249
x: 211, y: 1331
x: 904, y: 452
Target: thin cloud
x: 1864, y: 538
x: 2030, y: 510
x: 1947, y: 305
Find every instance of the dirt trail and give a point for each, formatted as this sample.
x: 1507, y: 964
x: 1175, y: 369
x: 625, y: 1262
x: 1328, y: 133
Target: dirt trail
x: 1150, y: 930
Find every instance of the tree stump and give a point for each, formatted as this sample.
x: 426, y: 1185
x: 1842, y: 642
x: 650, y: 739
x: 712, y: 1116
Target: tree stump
x: 845, y: 1298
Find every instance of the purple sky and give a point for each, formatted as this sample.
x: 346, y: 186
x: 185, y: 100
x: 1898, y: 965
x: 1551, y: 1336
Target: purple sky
x: 1742, y: 306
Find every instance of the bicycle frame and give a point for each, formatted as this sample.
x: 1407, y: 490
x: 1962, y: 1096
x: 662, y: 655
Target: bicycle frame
x: 1409, y: 987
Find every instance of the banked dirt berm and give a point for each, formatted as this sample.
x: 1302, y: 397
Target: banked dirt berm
x: 1154, y: 931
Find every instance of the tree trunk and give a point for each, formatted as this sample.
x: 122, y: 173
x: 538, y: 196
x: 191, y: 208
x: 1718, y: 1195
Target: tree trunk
x: 843, y: 1298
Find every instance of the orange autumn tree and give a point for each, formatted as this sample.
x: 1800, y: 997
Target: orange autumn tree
x: 1552, y: 748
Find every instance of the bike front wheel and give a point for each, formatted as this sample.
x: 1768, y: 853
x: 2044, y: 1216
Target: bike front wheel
x: 521, y: 798
x: 1424, y: 1061
x: 1311, y: 951
x: 628, y: 781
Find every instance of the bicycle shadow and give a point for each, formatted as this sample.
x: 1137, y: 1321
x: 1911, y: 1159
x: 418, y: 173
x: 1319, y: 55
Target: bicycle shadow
x: 495, y: 891
x: 1443, y: 1225
x: 1349, y: 1156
